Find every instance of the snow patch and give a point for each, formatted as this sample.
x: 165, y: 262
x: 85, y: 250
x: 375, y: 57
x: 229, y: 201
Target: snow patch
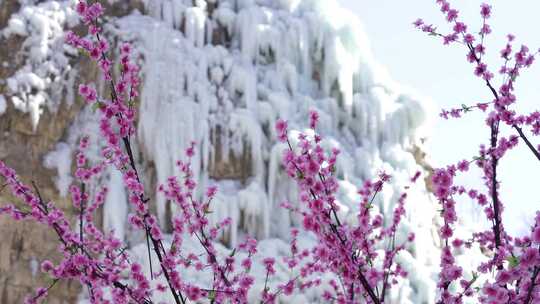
x: 3, y: 104
x: 60, y: 159
x: 39, y: 83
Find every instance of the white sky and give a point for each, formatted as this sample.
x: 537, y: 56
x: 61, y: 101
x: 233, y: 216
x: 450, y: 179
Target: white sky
x: 443, y: 74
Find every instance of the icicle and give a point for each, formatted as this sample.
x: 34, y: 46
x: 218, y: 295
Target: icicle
x: 115, y: 210
x: 60, y: 159
x: 3, y: 104
x: 195, y: 22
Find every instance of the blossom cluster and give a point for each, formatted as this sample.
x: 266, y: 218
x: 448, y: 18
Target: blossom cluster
x: 348, y: 251
x: 510, y: 272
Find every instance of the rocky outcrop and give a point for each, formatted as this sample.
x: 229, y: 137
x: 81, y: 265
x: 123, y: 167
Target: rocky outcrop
x: 24, y: 245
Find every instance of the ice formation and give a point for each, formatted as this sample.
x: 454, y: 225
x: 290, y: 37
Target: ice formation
x: 43, y: 78
x: 220, y: 73
x: 3, y: 104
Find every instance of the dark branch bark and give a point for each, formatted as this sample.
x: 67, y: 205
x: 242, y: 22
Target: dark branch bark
x: 528, y: 299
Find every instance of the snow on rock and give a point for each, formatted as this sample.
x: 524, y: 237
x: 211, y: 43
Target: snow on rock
x: 61, y: 159
x: 115, y: 210
x: 3, y: 104
x: 40, y: 82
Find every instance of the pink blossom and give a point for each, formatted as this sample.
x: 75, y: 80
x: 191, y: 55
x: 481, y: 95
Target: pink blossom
x: 485, y: 10
x: 536, y: 235
x: 281, y: 129
x: 452, y: 15
x: 460, y: 27
x: 313, y: 119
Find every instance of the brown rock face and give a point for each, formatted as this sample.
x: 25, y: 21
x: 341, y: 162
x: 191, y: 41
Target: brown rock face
x: 420, y: 157
x: 230, y: 166
x: 25, y: 245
